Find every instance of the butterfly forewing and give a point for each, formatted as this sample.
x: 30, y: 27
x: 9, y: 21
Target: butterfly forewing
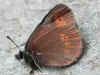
x: 57, y: 39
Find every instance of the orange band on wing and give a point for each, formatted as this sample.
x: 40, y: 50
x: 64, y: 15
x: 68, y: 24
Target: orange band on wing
x: 63, y: 36
x: 68, y: 43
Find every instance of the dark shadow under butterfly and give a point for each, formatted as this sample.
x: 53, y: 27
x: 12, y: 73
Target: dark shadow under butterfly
x: 56, y: 42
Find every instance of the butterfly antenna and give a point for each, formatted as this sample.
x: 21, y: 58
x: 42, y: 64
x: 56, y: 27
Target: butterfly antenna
x: 8, y: 37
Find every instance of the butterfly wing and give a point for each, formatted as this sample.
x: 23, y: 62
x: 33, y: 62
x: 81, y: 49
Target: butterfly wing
x: 56, y: 11
x: 57, y: 40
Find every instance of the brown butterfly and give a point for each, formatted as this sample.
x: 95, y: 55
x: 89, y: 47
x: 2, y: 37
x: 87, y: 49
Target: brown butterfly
x: 56, y: 41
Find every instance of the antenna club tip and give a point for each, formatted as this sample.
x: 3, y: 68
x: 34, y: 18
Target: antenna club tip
x: 7, y: 36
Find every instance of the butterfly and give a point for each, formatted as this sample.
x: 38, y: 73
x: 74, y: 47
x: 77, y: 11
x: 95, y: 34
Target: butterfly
x: 56, y: 41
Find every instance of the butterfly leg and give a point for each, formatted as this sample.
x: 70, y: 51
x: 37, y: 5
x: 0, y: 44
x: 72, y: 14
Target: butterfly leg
x: 32, y: 71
